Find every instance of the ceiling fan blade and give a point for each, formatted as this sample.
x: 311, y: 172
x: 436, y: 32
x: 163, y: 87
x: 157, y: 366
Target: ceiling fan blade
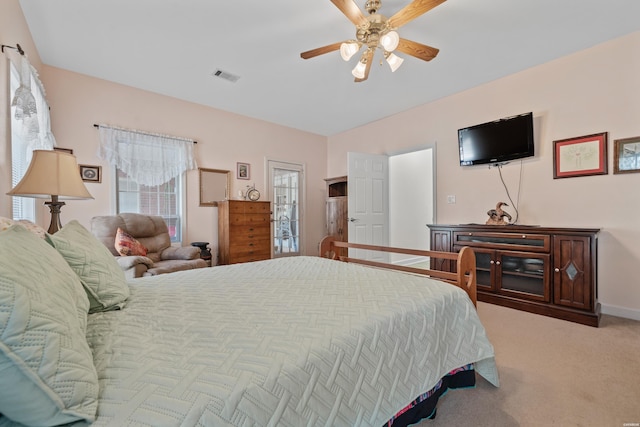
x: 420, y: 51
x: 320, y: 51
x: 351, y: 11
x: 369, y: 58
x: 412, y: 11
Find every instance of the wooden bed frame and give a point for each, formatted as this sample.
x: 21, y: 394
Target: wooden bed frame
x: 464, y: 277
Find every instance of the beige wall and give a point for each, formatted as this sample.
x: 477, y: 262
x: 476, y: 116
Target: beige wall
x: 596, y: 90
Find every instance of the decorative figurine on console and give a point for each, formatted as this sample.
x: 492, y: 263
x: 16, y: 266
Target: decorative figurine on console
x: 497, y: 216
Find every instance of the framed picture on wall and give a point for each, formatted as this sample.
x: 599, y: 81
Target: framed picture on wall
x: 626, y: 155
x: 244, y: 171
x: 91, y: 173
x: 580, y: 156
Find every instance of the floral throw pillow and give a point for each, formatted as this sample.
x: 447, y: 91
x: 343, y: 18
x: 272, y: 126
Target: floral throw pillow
x: 127, y: 245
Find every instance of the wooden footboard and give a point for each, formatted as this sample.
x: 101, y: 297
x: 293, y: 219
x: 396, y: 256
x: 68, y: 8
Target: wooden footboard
x: 464, y: 277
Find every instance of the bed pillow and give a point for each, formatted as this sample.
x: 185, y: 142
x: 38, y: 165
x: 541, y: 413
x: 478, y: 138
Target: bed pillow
x: 127, y: 245
x: 32, y: 227
x: 99, y: 272
x: 47, y: 376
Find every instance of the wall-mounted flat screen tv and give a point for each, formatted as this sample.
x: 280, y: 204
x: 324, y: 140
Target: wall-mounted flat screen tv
x: 498, y: 141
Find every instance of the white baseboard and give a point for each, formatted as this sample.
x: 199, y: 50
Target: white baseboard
x: 613, y: 310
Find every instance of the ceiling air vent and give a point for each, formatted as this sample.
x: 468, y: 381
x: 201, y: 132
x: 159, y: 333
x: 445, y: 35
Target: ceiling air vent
x: 225, y: 75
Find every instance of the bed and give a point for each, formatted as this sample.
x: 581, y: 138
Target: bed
x: 299, y: 341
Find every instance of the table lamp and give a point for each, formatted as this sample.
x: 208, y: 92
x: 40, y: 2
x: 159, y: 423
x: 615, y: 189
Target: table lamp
x: 53, y: 174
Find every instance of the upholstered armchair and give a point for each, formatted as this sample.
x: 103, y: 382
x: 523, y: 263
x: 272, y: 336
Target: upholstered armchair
x: 152, y: 233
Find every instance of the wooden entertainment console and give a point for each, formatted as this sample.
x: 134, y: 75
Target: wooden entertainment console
x: 543, y: 270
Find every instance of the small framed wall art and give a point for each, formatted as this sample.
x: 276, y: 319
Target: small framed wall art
x: 626, y: 155
x: 580, y: 156
x: 243, y: 171
x: 91, y: 173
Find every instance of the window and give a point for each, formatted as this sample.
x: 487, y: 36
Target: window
x: 149, y: 171
x: 163, y: 200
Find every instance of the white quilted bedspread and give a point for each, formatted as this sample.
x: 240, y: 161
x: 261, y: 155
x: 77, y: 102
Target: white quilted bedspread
x: 301, y: 341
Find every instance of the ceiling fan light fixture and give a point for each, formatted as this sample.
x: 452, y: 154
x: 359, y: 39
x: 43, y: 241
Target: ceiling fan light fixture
x: 348, y: 49
x: 378, y: 32
x: 358, y: 71
x: 389, y: 41
x: 393, y: 60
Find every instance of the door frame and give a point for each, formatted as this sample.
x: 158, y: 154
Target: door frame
x: 434, y: 162
x: 412, y: 184
x: 270, y: 162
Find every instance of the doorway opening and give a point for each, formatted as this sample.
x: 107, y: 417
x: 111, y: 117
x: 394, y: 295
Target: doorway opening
x: 391, y: 199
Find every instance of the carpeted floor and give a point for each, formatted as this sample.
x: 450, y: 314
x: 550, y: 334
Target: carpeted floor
x: 552, y: 373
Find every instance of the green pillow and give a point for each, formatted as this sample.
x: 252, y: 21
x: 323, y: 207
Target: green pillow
x: 99, y: 272
x: 47, y: 376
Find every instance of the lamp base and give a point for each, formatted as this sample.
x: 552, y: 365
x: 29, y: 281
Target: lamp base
x: 54, y: 207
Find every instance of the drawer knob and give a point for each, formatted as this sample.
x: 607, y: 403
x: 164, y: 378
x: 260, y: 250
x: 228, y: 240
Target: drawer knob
x: 524, y: 236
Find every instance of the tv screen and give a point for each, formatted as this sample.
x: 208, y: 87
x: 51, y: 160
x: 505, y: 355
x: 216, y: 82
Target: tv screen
x: 498, y: 141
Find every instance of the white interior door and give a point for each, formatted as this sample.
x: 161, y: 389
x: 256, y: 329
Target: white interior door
x: 286, y: 183
x: 368, y: 205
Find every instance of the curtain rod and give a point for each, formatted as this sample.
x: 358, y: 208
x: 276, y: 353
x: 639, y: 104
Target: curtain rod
x: 18, y: 48
x: 137, y: 131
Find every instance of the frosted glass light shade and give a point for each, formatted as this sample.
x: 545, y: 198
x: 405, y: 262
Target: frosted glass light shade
x: 390, y: 41
x: 348, y: 49
x: 358, y: 71
x: 394, y: 61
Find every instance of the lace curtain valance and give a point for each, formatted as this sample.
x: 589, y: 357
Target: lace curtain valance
x: 32, y: 110
x: 149, y: 159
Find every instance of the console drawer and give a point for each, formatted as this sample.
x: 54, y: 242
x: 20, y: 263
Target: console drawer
x: 501, y: 240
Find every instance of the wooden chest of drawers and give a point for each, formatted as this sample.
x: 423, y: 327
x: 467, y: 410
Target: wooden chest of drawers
x: 244, y: 231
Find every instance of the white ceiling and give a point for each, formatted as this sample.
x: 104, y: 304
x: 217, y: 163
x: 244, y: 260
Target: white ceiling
x: 173, y: 46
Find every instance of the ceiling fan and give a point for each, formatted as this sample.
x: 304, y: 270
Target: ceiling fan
x: 378, y: 31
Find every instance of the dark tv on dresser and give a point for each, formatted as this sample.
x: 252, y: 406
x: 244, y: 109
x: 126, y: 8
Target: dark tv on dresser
x: 498, y: 141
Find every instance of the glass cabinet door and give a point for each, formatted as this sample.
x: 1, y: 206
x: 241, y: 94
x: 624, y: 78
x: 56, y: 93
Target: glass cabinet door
x: 485, y: 269
x: 523, y: 274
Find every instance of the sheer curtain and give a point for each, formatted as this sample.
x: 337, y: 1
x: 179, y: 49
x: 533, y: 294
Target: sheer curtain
x: 149, y: 159
x: 30, y: 129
